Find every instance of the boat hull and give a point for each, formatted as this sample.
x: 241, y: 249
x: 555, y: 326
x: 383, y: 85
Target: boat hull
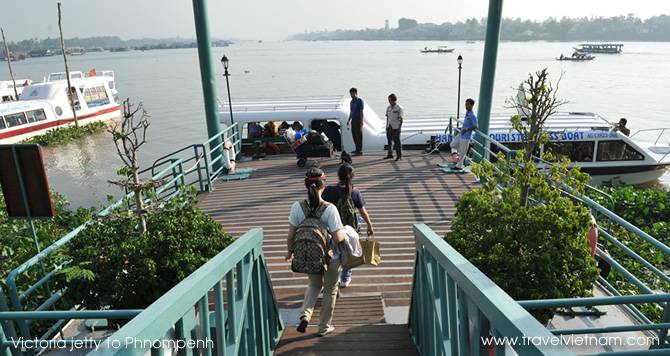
x: 28, y: 132
x: 627, y: 174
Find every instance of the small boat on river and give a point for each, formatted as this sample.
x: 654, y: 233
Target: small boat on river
x: 577, y: 57
x: 439, y: 49
x: 44, y: 106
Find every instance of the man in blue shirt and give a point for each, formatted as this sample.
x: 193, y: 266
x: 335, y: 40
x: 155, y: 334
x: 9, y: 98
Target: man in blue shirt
x: 461, y: 144
x: 356, y: 121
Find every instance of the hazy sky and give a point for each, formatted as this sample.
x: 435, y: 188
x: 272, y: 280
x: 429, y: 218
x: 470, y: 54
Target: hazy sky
x: 277, y: 19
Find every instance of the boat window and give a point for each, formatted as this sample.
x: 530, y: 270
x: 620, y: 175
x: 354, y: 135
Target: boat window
x: 7, y: 98
x: 36, y: 115
x: 617, y: 150
x: 96, y: 96
x: 2, y: 123
x: 16, y: 119
x: 580, y: 151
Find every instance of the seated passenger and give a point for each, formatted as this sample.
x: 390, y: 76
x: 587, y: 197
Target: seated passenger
x: 254, y: 130
x: 283, y: 127
x: 296, y: 126
x: 270, y: 130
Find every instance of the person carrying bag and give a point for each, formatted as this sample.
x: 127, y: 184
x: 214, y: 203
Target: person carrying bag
x: 315, y: 232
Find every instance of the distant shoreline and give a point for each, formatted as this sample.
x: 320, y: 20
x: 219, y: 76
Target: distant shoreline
x: 595, y: 29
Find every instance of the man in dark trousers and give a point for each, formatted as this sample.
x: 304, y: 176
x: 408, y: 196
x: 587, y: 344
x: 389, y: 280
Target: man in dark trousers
x: 356, y: 121
x: 394, y: 118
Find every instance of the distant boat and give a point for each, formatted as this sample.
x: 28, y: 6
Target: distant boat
x: 119, y: 49
x: 577, y: 57
x: 609, y: 48
x: 76, y: 51
x: 439, y: 49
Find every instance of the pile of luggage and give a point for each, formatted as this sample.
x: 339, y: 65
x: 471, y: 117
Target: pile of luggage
x: 309, y: 144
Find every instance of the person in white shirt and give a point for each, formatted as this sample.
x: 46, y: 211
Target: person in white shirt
x: 394, y: 118
x: 315, y: 181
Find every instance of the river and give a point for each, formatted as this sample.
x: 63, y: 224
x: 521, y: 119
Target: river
x: 633, y: 85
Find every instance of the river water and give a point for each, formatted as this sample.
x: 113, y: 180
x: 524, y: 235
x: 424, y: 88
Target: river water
x: 633, y: 85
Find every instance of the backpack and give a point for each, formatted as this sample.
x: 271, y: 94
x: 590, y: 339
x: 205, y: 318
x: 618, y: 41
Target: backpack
x: 310, y: 242
x: 347, y: 208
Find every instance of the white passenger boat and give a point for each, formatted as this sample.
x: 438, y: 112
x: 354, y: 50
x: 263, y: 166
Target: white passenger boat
x: 46, y: 105
x: 586, y: 138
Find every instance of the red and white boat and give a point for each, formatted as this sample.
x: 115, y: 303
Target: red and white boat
x: 45, y: 106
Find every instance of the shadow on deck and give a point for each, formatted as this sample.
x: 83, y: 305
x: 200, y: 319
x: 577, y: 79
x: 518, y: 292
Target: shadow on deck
x: 398, y: 194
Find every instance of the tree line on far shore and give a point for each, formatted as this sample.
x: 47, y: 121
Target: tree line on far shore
x: 34, y: 47
x: 618, y: 28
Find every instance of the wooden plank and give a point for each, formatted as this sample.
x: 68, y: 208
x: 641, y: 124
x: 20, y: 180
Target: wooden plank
x: 354, y: 340
x: 398, y: 194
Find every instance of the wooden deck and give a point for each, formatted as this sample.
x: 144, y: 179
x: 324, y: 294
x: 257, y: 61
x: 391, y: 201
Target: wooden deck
x: 398, y: 194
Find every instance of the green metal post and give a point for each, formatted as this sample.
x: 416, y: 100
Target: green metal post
x: 207, y: 76
x: 489, y: 70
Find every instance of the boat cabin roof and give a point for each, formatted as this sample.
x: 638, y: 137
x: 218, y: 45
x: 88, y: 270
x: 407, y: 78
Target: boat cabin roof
x: 601, y: 45
x: 320, y: 103
x: 581, y: 121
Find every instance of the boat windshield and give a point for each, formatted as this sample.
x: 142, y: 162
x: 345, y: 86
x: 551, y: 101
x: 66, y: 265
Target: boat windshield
x: 617, y: 150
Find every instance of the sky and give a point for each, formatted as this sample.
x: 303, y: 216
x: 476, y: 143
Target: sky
x: 277, y: 19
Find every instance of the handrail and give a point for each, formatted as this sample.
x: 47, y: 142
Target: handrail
x: 662, y: 129
x: 248, y: 319
x: 173, y: 175
x: 603, y: 213
x: 455, y: 308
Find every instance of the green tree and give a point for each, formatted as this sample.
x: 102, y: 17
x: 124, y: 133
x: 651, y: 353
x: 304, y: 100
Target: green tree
x: 535, y: 102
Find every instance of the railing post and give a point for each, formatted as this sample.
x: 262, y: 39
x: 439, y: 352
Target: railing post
x: 663, y: 334
x: 198, y: 168
x: 488, y: 70
x: 207, y: 75
x: 206, y: 152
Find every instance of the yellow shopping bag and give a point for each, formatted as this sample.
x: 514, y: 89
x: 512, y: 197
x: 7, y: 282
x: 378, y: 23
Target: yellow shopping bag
x: 370, y: 255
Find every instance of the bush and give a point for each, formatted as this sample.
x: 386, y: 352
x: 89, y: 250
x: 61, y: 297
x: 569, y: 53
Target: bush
x: 66, y: 134
x: 114, y: 268
x: 538, y: 251
x: 16, y: 239
x: 648, y: 209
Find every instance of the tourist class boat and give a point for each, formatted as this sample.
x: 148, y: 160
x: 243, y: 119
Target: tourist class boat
x: 585, y: 138
x: 44, y: 106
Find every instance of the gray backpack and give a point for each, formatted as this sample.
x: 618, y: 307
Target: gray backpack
x: 310, y: 243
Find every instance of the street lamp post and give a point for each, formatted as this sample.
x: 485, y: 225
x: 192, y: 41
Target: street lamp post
x: 458, y: 106
x: 224, y: 60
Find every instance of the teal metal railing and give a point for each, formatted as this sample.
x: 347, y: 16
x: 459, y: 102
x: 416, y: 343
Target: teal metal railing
x: 457, y: 310
x: 608, y: 222
x: 226, y: 307
x: 189, y: 166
